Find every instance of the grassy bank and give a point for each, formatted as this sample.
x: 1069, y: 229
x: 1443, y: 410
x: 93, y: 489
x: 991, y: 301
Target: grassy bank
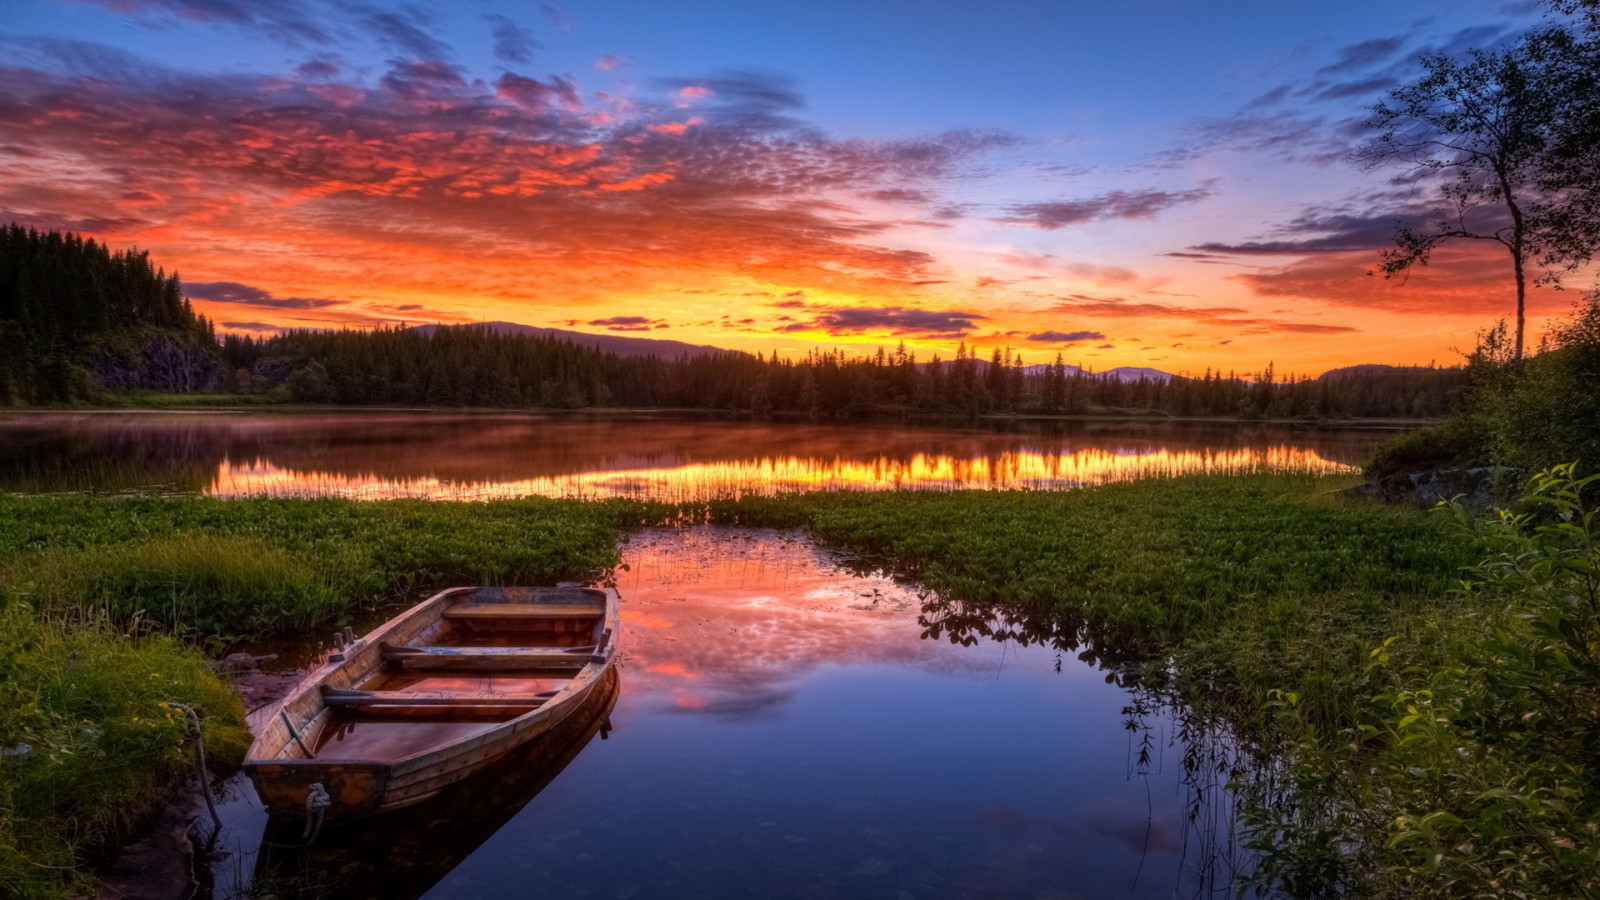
x: 222, y: 571
x: 1326, y: 633
x: 111, y: 604
x: 92, y: 740
x: 1411, y: 700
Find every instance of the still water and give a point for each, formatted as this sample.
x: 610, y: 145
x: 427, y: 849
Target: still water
x: 479, y: 457
x: 786, y: 728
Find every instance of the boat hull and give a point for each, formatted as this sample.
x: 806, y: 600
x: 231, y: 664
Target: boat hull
x: 298, y: 741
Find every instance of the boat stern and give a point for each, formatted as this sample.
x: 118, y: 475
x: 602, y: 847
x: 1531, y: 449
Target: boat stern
x: 352, y: 789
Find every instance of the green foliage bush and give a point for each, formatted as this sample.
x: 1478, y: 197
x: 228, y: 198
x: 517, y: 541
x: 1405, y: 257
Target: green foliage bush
x: 1548, y: 411
x: 1527, y: 414
x: 1458, y: 442
x: 1473, y: 770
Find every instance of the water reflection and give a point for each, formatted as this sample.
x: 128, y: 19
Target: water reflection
x: 801, y: 727
x: 477, y: 457
x: 793, y: 724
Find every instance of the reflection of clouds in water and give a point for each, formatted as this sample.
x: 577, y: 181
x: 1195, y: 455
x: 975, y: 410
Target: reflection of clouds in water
x: 720, y: 621
x: 745, y: 705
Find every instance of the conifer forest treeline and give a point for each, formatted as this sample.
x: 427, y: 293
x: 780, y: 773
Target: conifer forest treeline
x: 468, y: 366
x: 78, y: 320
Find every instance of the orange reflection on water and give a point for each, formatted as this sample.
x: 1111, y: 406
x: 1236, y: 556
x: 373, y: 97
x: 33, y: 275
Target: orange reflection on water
x: 775, y: 474
x: 739, y: 615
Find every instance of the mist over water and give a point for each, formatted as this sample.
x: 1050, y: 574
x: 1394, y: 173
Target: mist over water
x: 491, y: 456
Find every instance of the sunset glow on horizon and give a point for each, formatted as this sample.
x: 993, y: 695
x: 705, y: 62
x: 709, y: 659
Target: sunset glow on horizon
x: 1164, y: 183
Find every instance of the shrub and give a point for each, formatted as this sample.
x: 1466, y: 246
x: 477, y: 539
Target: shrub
x: 1458, y: 442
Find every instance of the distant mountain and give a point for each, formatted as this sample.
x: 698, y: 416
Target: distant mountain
x: 1368, y: 370
x: 615, y: 344
x: 1134, y: 373
x: 1120, y: 373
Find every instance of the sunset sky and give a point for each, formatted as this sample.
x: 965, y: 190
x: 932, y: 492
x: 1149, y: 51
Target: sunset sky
x: 1147, y: 182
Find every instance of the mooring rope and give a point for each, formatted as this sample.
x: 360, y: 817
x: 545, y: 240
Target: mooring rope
x: 317, y: 803
x: 200, y: 757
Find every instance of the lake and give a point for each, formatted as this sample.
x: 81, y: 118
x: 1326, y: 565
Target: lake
x: 788, y: 728
x: 382, y: 455
x: 789, y: 722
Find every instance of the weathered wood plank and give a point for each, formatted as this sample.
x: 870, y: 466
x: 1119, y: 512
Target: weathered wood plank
x: 340, y: 697
x: 490, y: 657
x: 525, y: 610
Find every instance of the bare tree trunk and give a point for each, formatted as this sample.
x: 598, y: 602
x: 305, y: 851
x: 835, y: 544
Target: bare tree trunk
x: 1522, y: 289
x: 1518, y: 252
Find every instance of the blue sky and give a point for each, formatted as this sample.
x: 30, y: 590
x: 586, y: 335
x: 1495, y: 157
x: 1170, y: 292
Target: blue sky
x: 1174, y: 176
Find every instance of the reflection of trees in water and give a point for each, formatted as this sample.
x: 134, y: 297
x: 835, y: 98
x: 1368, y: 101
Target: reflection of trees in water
x: 1230, y: 778
x: 50, y: 458
x: 115, y: 452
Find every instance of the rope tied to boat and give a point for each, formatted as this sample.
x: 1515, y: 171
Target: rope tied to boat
x: 317, y: 803
x: 200, y: 758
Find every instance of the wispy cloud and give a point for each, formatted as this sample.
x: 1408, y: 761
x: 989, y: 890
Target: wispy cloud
x: 512, y: 42
x: 628, y: 323
x: 1066, y: 337
x: 894, y: 320
x: 1230, y: 317
x: 244, y: 295
x: 1142, y: 204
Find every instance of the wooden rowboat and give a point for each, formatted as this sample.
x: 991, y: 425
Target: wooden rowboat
x: 431, y: 697
x: 402, y: 856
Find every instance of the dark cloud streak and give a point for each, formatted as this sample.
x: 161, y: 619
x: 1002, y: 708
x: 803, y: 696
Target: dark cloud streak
x: 245, y: 295
x: 1143, y: 204
x: 512, y: 42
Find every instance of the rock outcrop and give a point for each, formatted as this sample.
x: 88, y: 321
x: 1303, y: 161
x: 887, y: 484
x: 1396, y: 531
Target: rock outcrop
x: 160, y: 363
x: 1481, y: 487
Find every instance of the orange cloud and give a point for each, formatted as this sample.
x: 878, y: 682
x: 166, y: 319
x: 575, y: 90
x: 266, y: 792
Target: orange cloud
x: 1463, y: 279
x: 424, y: 187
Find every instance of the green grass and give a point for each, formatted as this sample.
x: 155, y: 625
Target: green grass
x: 224, y: 571
x: 81, y: 574
x: 92, y: 706
x: 1278, y: 578
x: 1254, y: 601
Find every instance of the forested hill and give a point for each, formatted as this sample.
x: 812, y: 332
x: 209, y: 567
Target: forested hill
x: 76, y: 318
x: 617, y: 344
x: 466, y: 366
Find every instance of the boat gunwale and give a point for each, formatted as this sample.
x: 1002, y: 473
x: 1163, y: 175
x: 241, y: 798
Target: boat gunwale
x: 432, y: 611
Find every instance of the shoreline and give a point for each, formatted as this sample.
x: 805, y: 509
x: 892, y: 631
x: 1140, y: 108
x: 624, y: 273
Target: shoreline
x: 1141, y: 417
x: 161, y: 862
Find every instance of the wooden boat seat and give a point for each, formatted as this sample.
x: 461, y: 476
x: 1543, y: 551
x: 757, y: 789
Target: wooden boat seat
x: 489, y: 657
x: 350, y: 697
x: 524, y: 611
